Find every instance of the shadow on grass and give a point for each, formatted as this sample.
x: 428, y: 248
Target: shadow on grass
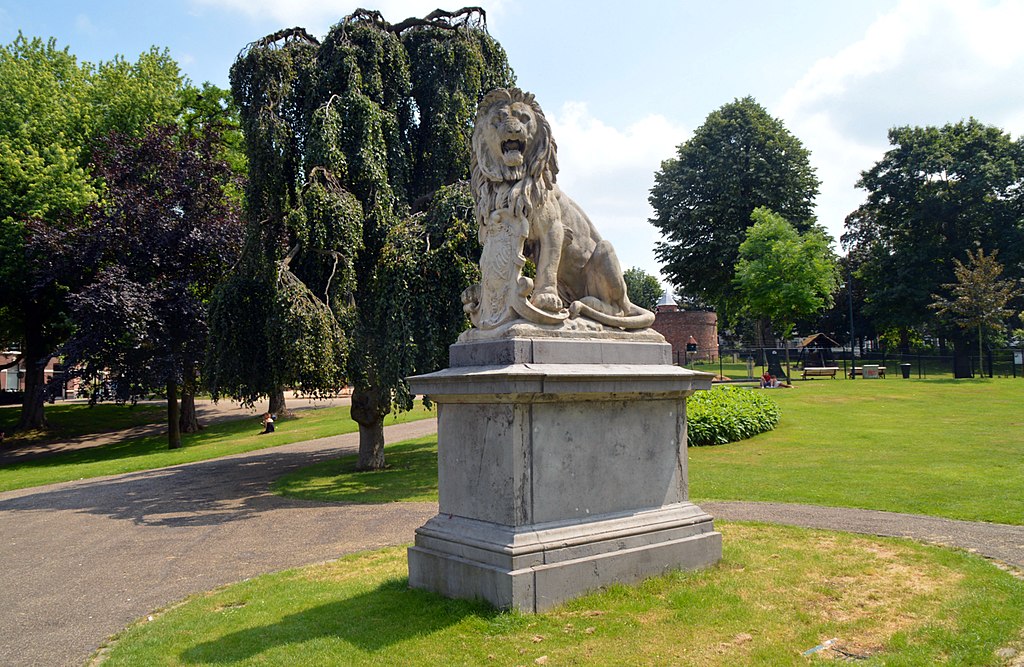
x: 411, y: 475
x: 369, y: 622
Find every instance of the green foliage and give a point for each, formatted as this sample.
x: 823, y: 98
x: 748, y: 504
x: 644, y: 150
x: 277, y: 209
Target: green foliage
x: 355, y: 149
x: 978, y: 298
x: 728, y: 414
x: 784, y: 275
x: 936, y: 192
x: 739, y: 159
x: 53, y: 112
x: 642, y: 288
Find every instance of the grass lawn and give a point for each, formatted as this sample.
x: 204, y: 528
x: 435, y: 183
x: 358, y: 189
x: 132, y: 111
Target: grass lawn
x: 70, y: 420
x: 938, y: 447
x: 222, y: 439
x: 952, y: 448
x: 777, y: 593
x: 411, y: 476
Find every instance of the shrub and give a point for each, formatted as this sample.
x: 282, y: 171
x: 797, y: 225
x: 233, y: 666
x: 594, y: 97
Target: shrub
x: 728, y: 414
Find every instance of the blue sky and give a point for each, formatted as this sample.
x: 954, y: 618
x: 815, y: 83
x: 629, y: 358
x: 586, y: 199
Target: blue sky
x: 626, y: 83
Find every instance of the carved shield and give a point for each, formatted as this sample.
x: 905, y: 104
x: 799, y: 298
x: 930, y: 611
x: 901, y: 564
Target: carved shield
x: 501, y: 262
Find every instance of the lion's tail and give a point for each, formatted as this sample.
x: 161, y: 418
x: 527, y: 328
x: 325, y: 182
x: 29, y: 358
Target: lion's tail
x: 638, y: 318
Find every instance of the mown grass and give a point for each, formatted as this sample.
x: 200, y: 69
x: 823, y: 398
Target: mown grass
x: 952, y: 448
x: 411, y: 476
x: 776, y: 593
x: 72, y: 420
x: 221, y: 439
x: 937, y: 447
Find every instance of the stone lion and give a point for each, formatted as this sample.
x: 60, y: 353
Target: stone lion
x: 514, y: 164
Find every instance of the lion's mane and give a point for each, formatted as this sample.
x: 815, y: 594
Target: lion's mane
x: 495, y: 185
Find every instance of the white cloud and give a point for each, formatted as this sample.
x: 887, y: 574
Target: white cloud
x: 84, y: 25
x: 317, y: 16
x: 923, y: 63
x: 610, y: 171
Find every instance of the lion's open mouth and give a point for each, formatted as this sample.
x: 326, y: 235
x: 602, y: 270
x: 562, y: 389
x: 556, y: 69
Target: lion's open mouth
x: 512, y: 152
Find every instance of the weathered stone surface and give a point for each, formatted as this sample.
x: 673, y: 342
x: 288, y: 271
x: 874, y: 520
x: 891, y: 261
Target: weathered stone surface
x: 522, y: 213
x: 558, y: 351
x: 558, y: 478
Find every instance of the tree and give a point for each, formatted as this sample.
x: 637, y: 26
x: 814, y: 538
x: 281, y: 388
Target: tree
x: 642, y: 288
x: 53, y: 109
x: 148, y: 260
x: 978, y: 299
x: 938, y: 191
x: 782, y: 275
x: 739, y: 159
x: 355, y: 209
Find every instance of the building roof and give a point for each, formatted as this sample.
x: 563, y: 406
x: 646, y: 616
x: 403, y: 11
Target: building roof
x: 667, y: 300
x: 818, y: 340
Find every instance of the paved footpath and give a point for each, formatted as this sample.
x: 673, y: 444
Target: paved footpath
x: 81, y: 560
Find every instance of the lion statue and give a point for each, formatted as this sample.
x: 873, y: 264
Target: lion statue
x: 514, y: 164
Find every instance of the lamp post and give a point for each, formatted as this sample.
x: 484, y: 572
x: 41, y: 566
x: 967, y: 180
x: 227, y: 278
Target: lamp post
x: 849, y: 296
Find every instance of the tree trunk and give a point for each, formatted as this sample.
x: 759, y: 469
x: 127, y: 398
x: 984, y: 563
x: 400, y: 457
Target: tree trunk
x: 904, y: 340
x: 278, y: 407
x: 173, y: 428
x: 36, y: 358
x: 188, y: 420
x: 371, y: 447
x: 961, y: 358
x: 369, y: 410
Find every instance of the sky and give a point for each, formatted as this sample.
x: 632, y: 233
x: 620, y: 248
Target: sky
x: 625, y: 84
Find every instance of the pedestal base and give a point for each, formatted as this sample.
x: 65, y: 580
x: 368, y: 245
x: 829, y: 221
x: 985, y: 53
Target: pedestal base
x: 535, y: 569
x: 561, y: 468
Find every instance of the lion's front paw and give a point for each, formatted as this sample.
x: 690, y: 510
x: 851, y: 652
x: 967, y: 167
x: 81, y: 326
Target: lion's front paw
x: 547, y: 300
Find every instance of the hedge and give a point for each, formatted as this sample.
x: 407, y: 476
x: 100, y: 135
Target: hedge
x: 728, y: 414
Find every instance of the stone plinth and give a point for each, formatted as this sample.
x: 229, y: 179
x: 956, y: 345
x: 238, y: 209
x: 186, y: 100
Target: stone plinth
x: 562, y: 468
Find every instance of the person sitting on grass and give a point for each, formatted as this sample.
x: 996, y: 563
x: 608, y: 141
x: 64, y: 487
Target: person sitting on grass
x: 769, y: 381
x: 268, y: 423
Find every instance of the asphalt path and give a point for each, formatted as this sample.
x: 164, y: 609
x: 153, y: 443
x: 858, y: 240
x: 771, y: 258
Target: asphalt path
x: 81, y: 560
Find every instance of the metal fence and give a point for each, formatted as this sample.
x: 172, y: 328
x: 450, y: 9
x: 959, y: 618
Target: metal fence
x: 740, y: 364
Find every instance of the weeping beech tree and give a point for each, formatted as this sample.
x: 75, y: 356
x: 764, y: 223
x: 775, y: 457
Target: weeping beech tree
x: 360, y: 227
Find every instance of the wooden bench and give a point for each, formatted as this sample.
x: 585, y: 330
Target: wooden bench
x: 857, y: 370
x: 820, y: 372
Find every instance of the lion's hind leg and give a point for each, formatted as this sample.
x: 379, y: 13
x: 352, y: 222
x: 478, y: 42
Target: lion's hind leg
x: 604, y: 280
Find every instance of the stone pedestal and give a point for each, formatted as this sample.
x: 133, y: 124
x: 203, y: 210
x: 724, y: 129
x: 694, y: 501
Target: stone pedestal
x: 562, y: 468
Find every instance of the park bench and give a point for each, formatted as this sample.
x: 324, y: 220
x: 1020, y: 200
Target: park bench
x: 820, y: 372
x: 857, y: 370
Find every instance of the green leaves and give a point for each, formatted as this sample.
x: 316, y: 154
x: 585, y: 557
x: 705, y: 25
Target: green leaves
x: 643, y: 289
x: 728, y: 414
x: 783, y: 275
x: 739, y: 159
x: 936, y: 192
x: 978, y: 298
x: 355, y: 150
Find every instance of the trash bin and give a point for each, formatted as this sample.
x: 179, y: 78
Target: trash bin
x: 905, y: 369
x: 869, y: 371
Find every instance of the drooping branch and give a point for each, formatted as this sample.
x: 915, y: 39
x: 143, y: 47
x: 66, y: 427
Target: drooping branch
x: 467, y: 17
x: 280, y: 38
x: 474, y: 17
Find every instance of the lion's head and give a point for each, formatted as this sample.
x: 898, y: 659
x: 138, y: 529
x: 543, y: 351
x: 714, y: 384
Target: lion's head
x: 514, y: 156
